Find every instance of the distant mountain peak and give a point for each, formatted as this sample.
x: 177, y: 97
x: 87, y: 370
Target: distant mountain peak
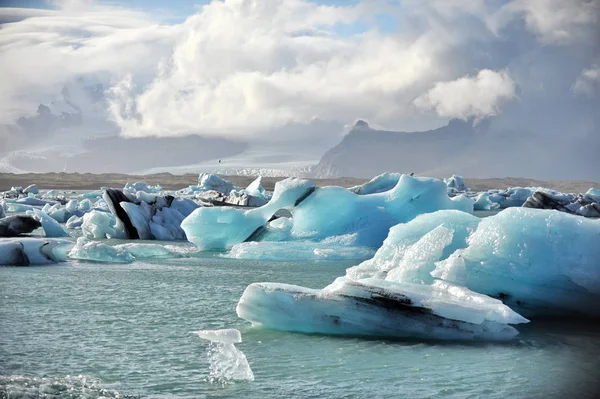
x: 360, y: 124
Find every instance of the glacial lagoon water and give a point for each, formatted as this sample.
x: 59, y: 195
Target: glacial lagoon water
x: 101, y: 330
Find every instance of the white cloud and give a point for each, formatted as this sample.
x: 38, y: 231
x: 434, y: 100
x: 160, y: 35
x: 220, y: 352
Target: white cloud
x: 588, y: 81
x: 241, y: 68
x: 478, y: 96
x: 553, y: 21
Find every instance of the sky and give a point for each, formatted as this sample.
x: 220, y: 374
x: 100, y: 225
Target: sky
x: 299, y: 71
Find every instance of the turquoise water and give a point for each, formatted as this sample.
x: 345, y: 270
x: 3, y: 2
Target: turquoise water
x: 92, y: 330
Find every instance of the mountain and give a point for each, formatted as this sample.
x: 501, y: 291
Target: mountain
x: 461, y: 147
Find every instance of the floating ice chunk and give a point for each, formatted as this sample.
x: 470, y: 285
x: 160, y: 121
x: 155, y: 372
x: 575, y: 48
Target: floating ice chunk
x: 140, y: 216
x: 374, y: 307
x: 512, y: 197
x: 74, y: 222
x: 538, y: 261
x: 220, y: 228
x: 91, y: 195
x: 99, y: 252
x: 456, y: 183
x: 332, y: 211
x: 33, y: 251
x: 378, y: 184
x: 580, y: 204
x: 297, y: 250
x: 483, y: 202
x: 52, y: 194
x: 227, y: 363
x: 51, y: 227
x: 207, y: 182
x: 256, y: 189
x: 160, y: 219
x: 143, y: 187
x: 33, y: 189
x: 31, y: 201
x: 410, y: 250
x: 593, y: 194
x: 147, y: 251
x: 16, y: 225
x: 85, y: 205
x: 97, y: 224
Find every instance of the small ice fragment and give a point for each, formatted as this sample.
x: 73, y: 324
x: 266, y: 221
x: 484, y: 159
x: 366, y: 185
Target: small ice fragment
x: 227, y: 363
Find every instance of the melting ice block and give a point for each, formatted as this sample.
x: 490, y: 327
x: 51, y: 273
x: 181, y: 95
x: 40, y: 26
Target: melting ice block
x: 378, y: 184
x: 33, y: 251
x: 15, y: 225
x: 537, y: 261
x: 319, y: 214
x: 227, y: 363
x: 99, y: 252
x: 298, y: 250
x: 220, y: 228
x: 334, y: 211
x: 374, y: 307
x: 51, y: 227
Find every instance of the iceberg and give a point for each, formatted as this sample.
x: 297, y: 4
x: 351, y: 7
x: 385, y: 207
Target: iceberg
x: 74, y: 222
x: 587, y: 204
x: 227, y: 363
x: 511, y: 197
x: 375, y: 307
x: 15, y: 225
x: 161, y: 219
x: 33, y: 251
x: 483, y: 202
x: 298, y: 250
x: 32, y: 188
x: 378, y: 184
x: 208, y: 182
x: 148, y: 251
x: 98, y: 252
x: 51, y: 227
x: 335, y: 211
x: 141, y: 186
x: 538, y: 262
x: 98, y: 224
x: 321, y: 213
x: 2, y: 211
x: 220, y: 228
x: 456, y: 184
x: 32, y: 201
